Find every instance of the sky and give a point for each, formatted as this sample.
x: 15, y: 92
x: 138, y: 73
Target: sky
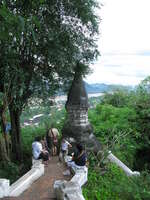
x: 124, y: 43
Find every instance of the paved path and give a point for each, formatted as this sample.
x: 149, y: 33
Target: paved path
x: 42, y: 189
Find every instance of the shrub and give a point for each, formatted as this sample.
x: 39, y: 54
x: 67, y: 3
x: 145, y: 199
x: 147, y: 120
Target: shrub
x: 115, y: 185
x: 9, y: 170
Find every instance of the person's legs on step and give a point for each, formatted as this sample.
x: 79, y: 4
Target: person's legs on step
x: 45, y: 157
x: 55, y: 150
x: 70, y: 164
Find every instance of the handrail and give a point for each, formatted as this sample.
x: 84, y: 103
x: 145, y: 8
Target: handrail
x: 23, y: 183
x: 114, y: 159
x: 71, y: 189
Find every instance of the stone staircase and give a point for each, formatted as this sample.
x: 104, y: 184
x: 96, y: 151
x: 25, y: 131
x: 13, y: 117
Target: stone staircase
x: 52, y: 184
x: 42, y: 188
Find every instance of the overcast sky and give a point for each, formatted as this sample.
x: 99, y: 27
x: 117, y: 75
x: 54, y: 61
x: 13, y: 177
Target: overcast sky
x: 124, y: 43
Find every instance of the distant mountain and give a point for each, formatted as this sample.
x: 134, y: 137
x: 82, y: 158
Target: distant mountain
x: 101, y: 87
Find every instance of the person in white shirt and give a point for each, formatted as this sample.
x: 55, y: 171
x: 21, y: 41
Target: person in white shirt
x: 38, y: 152
x: 64, y: 149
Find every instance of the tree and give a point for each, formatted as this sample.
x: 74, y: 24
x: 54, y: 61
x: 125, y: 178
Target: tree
x: 42, y: 42
x: 119, y: 98
x: 142, y: 107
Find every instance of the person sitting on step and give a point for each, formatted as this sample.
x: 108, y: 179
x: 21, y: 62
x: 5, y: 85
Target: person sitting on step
x: 38, y: 152
x: 44, y: 145
x: 78, y: 161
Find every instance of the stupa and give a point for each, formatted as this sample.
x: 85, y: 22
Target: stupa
x: 77, y: 125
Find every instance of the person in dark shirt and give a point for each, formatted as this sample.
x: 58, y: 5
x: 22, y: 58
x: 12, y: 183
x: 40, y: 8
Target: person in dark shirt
x: 78, y: 160
x: 79, y: 156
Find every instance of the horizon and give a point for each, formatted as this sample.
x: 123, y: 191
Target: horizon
x: 111, y: 84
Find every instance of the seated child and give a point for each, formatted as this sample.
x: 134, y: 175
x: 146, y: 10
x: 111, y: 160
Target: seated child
x: 64, y: 149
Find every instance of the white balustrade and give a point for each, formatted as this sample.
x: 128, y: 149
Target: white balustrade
x: 71, y: 190
x: 4, y: 187
x: 115, y: 160
x: 22, y: 183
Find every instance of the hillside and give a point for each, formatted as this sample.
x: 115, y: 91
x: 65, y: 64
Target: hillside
x: 101, y: 87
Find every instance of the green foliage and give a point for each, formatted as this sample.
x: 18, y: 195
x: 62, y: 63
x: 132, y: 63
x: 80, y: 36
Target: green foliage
x: 116, y: 129
x: 46, y: 40
x: 124, y: 129
x: 9, y: 170
x: 115, y: 185
x: 28, y: 136
x: 93, y: 101
x: 30, y: 132
x: 121, y: 122
x: 142, y: 108
x: 42, y: 43
x: 119, y: 98
x: 106, y: 118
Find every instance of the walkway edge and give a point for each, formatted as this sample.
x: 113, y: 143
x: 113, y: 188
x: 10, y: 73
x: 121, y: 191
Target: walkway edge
x: 22, y: 183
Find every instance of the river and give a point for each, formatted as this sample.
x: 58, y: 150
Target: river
x: 64, y: 97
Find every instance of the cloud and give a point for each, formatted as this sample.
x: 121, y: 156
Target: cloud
x: 129, y: 53
x: 125, y: 69
x: 124, y: 43
x: 143, y: 53
x: 125, y: 25
x: 111, y: 65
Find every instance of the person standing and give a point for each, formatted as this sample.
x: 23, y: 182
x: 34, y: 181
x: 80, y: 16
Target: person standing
x: 53, y: 135
x: 64, y: 149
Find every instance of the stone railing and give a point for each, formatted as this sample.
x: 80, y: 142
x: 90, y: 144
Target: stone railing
x: 4, y: 187
x: 14, y: 190
x: 71, y: 190
x: 64, y: 190
x: 115, y: 160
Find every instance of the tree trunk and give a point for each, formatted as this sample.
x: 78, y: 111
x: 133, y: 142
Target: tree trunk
x: 15, y: 133
x: 4, y: 140
x: 3, y: 152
